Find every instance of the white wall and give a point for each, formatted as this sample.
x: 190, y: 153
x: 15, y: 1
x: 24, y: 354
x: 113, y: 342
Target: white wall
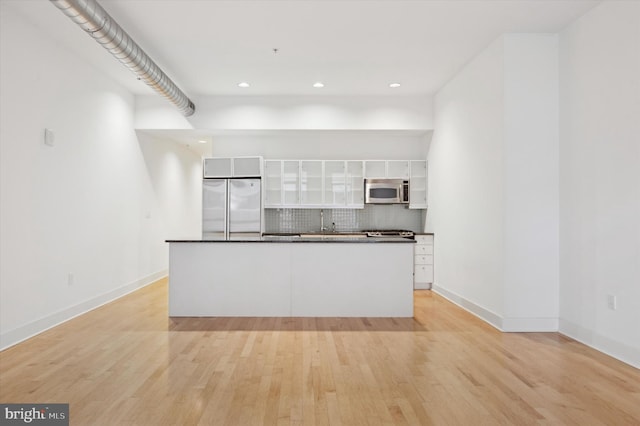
x: 493, y: 184
x: 175, y: 172
x: 531, y: 216
x: 466, y: 194
x: 600, y: 179
x: 329, y: 145
x: 319, y: 127
x: 85, y: 206
x: 289, y: 112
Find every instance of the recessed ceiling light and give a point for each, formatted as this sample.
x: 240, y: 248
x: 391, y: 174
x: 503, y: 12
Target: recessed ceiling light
x: 394, y: 85
x: 243, y: 84
x: 318, y: 84
x: 202, y: 141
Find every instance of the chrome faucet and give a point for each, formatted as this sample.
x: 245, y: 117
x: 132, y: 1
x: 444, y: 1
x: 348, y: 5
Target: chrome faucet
x: 322, y: 227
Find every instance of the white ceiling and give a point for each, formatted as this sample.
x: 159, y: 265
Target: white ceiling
x: 355, y: 47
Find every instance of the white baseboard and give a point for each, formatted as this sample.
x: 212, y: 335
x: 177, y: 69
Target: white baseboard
x: 621, y: 351
x: 530, y: 325
x: 513, y: 325
x: 17, y: 335
x: 477, y: 310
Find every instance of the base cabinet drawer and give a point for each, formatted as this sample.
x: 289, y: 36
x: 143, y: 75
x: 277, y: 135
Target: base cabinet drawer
x: 424, y: 239
x: 423, y: 262
x: 425, y: 259
x: 423, y: 249
x: 423, y: 274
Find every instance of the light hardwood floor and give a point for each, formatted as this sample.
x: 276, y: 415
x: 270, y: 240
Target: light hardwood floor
x: 127, y: 363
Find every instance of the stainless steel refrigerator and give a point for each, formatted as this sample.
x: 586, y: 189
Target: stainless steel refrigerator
x: 231, y: 209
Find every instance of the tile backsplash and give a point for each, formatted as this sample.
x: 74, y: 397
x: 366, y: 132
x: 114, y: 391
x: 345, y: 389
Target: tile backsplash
x: 393, y: 216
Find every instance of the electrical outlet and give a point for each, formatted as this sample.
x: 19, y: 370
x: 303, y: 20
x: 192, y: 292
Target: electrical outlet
x: 49, y: 137
x: 70, y: 279
x: 612, y: 302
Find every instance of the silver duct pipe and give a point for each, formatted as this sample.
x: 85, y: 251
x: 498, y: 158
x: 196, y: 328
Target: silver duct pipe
x: 92, y: 18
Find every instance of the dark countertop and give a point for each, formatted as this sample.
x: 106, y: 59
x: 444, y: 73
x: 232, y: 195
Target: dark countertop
x: 293, y: 239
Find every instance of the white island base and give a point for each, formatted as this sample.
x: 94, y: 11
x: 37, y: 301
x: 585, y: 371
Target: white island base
x: 266, y: 279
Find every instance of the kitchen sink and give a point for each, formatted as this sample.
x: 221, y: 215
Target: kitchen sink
x: 333, y: 236
x: 288, y: 237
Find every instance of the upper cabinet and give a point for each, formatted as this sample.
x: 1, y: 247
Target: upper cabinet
x: 392, y: 169
x: 281, y: 183
x: 217, y: 167
x: 314, y: 184
x: 311, y: 183
x: 398, y: 169
x: 335, y: 187
x: 291, y: 183
x: 225, y: 167
x: 355, y: 184
x: 337, y: 183
x: 247, y: 166
x: 272, y: 183
x: 418, y: 184
x: 375, y: 169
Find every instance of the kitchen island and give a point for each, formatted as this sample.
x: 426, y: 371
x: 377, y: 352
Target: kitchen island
x: 300, y: 277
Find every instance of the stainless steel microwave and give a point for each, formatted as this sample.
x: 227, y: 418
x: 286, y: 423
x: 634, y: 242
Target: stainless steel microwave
x: 386, y: 191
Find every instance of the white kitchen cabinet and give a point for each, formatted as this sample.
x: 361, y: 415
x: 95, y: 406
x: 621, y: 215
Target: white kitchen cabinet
x: 355, y: 184
x: 247, y: 166
x: 337, y: 183
x: 397, y: 169
x: 311, y: 183
x: 343, y: 184
x: 423, y: 262
x: 226, y: 167
x: 375, y: 169
x: 305, y: 279
x: 391, y: 169
x: 217, y: 167
x: 272, y: 183
x: 418, y: 184
x: 335, y: 190
x: 291, y: 183
x: 281, y: 183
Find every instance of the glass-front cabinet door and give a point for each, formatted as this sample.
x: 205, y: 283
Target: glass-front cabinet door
x: 336, y: 183
x: 311, y: 182
x: 273, y: 183
x: 335, y: 190
x: 398, y: 169
x: 375, y: 169
x: 418, y: 185
x: 291, y: 182
x: 355, y: 184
